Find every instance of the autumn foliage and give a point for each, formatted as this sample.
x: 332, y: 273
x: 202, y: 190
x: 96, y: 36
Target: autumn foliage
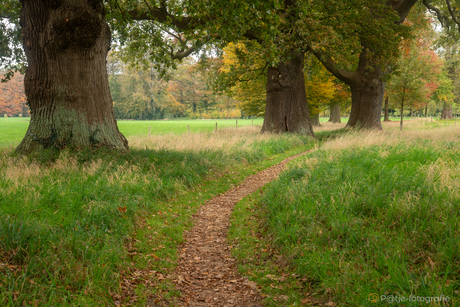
x: 12, y: 97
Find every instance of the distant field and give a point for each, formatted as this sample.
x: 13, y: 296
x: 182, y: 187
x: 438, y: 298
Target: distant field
x: 141, y: 127
x: 13, y: 130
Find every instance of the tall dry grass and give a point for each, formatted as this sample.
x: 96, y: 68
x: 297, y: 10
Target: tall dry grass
x: 414, y: 131
x: 225, y: 139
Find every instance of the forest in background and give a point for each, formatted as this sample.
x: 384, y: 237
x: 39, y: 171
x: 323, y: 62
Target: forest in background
x: 143, y: 94
x: 12, y: 97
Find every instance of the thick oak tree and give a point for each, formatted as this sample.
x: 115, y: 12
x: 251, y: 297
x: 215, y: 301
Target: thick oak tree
x: 377, y: 37
x: 66, y: 82
x: 168, y: 32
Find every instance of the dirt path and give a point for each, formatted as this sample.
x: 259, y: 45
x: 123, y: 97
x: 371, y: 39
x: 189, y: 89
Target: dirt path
x: 206, y: 273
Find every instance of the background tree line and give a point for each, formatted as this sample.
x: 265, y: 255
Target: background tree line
x: 12, y: 97
x: 143, y: 94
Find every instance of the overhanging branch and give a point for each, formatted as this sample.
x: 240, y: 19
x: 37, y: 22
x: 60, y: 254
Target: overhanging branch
x: 437, y: 11
x: 184, y: 53
x: 341, y: 74
x: 452, y: 14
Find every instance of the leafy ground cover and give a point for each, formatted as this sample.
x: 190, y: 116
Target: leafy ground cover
x: 74, y: 227
x: 368, y: 213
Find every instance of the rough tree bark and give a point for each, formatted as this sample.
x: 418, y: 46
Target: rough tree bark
x: 401, y: 123
x: 367, y: 89
x: 286, y: 108
x: 66, y: 82
x: 334, y: 116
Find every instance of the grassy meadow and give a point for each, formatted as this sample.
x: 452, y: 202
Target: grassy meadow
x: 76, y: 229
x: 13, y: 129
x: 368, y: 214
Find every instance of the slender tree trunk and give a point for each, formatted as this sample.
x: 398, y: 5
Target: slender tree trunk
x: 315, y: 120
x: 386, y: 117
x: 426, y: 110
x: 205, y: 104
x: 334, y: 116
x: 402, y: 114
x: 447, y: 112
x: 66, y: 83
x: 286, y: 108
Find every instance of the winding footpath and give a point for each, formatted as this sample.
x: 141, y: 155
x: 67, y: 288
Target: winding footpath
x: 206, y: 273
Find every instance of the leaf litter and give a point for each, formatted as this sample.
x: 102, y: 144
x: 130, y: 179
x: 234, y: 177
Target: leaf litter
x: 206, y: 274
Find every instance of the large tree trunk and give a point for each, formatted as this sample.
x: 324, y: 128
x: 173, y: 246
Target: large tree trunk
x: 367, y: 89
x: 286, y: 108
x: 366, y: 82
x: 334, y: 116
x: 447, y: 113
x: 66, y: 83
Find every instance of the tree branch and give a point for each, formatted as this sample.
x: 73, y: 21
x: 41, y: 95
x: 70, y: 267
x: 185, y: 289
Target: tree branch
x: 402, y: 7
x: 251, y: 35
x: 162, y: 16
x: 184, y: 53
x: 452, y: 14
x: 437, y: 11
x: 341, y: 74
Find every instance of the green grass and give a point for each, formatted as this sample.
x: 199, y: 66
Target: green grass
x: 131, y: 127
x: 278, y: 283
x: 13, y: 130
x: 68, y: 220
x: 356, y: 219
